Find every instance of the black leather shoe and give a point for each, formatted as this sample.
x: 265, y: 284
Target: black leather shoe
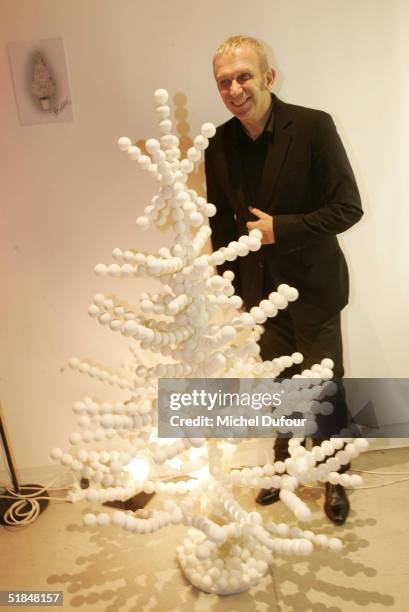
x: 268, y: 496
x: 336, y: 503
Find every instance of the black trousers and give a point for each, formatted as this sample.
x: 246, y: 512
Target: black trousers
x: 283, y: 335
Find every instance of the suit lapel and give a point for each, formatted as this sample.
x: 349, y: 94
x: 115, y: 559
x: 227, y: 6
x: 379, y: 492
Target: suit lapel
x: 276, y: 153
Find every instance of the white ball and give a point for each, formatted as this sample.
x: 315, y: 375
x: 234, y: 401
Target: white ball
x: 333, y: 478
x: 242, y: 249
x: 279, y: 467
x: 116, y: 252
x: 92, y: 495
x: 161, y: 96
x: 230, y: 253
x: 327, y: 374
x: 283, y: 530
x: 144, y: 161
x: 107, y: 421
x: 327, y: 363
x: 343, y: 457
x: 277, y: 299
x: 322, y: 540
x: 235, y: 301
x: 143, y: 223
x: 119, y: 519
x: 127, y: 270
x: 160, y: 456
x: 292, y: 294
x: 153, y: 170
x: 186, y: 166
x: 75, y: 438
x: 99, y: 299
x: 337, y: 443
x: 361, y: 444
x: 114, y: 270
x: 297, y: 358
x: 201, y: 142
x: 201, y: 264
x: 76, y: 466
x: 196, y: 218
x: 124, y: 143
x: 130, y: 523
x: 170, y: 140
x: 228, y: 332
x: 258, y: 314
x: 202, y: 552
x: 90, y: 520
x: 299, y: 452
x: 269, y: 308
x: 134, y: 153
x: 246, y: 319
x: 130, y: 327
x: 93, y: 310
x: 335, y: 544
x: 163, y: 111
x: 283, y: 288
x: 158, y: 156
x: 253, y: 243
x: 152, y: 145
x: 101, y: 270
x: 218, y: 258
x: 82, y: 455
x: 305, y: 546
x: 318, y: 453
x: 228, y: 275
x: 56, y: 453
x: 208, y: 130
x: 255, y: 233
x: 344, y: 480
x: 210, y: 210
x: 197, y: 442
x: 165, y: 126
x: 103, y: 519
x: 193, y: 154
x: 167, y: 179
x: 327, y: 447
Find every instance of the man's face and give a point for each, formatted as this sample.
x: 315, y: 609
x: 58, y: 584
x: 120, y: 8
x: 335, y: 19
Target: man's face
x: 242, y: 85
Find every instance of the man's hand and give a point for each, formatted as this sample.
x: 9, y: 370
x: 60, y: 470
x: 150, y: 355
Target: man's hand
x: 264, y: 224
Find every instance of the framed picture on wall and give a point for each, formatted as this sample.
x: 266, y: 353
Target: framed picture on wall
x: 41, y: 83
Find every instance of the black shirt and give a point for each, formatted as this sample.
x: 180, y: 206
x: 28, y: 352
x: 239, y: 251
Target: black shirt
x: 252, y: 154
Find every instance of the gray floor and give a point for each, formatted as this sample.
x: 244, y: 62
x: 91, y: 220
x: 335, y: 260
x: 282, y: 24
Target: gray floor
x: 108, y: 569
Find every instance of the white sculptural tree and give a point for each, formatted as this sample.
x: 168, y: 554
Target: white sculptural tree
x: 196, y: 329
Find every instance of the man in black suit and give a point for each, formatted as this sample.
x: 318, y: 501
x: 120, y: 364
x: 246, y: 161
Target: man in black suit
x: 282, y: 169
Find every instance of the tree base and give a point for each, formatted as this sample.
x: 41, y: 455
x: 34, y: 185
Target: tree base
x: 229, y: 570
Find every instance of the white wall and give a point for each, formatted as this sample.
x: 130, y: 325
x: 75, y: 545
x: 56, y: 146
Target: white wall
x: 68, y: 196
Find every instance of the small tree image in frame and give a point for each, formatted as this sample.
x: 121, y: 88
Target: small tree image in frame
x: 41, y: 83
x: 42, y: 86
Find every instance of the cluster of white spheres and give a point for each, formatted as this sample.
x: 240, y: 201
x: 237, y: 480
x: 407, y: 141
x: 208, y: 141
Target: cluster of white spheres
x: 171, y: 173
x: 198, y: 345
x: 233, y: 573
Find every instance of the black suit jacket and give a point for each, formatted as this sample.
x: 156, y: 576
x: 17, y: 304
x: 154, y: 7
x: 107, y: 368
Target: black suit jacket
x: 309, y: 188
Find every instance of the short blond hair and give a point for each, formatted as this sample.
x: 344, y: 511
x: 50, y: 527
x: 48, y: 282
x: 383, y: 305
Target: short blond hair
x: 236, y: 42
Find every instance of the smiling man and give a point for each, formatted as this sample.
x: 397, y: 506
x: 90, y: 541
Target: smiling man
x: 244, y: 79
x: 282, y: 169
